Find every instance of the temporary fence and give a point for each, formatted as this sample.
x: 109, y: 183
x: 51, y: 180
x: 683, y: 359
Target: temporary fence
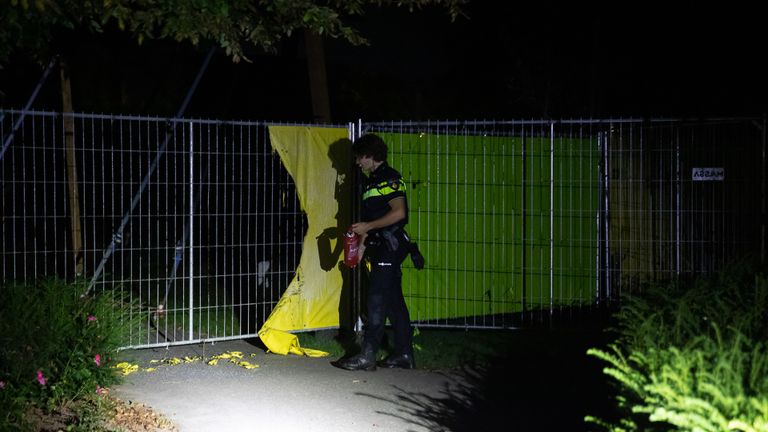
x: 523, y: 219
x: 506, y: 214
x: 195, y: 223
x: 198, y: 223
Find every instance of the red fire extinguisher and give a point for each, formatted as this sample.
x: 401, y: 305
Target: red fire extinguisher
x: 351, y: 246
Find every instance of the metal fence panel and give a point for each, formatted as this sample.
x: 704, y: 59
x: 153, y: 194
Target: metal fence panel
x: 524, y: 219
x: 682, y: 198
x: 506, y: 213
x: 196, y: 222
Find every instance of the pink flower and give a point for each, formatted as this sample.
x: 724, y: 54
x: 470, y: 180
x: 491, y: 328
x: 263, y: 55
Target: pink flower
x: 2, y: 385
x: 91, y: 318
x: 40, y: 377
x: 100, y: 389
x: 97, y: 359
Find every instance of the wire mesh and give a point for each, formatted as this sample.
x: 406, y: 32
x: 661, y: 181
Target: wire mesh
x: 664, y: 219
x: 506, y: 213
x: 198, y: 226
x: 523, y: 220
x: 195, y: 223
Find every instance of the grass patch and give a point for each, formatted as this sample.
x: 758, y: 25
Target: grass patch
x: 434, y: 348
x: 207, y: 322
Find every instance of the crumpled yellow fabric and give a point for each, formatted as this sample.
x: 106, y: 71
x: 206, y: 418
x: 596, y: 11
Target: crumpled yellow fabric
x: 283, y: 342
x: 311, y: 300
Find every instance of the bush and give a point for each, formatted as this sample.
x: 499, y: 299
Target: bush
x: 55, y: 347
x: 692, y: 357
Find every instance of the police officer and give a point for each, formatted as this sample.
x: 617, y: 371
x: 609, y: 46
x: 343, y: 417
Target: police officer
x: 385, y: 244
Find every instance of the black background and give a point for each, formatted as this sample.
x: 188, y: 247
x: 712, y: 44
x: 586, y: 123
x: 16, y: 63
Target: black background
x: 504, y: 60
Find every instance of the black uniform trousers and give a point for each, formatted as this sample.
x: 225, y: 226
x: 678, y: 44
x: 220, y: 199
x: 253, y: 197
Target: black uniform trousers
x: 385, y: 300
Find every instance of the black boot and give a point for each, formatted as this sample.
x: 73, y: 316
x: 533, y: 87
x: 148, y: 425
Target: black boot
x: 402, y: 361
x: 366, y: 360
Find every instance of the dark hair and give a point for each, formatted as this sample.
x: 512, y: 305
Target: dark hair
x: 370, y: 145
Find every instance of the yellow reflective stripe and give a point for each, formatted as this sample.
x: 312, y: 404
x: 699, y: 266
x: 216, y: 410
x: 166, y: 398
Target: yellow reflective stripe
x: 384, y: 189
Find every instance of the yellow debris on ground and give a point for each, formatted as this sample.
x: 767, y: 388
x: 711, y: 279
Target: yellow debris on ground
x: 126, y: 368
x: 246, y: 364
x: 230, y: 354
x: 234, y: 357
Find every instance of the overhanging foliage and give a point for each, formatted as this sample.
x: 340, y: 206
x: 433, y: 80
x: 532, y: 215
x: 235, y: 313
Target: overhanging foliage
x: 232, y: 24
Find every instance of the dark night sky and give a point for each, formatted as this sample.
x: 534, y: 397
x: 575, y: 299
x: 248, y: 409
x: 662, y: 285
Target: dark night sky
x: 506, y: 60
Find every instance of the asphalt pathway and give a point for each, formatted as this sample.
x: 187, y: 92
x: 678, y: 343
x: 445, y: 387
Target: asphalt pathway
x: 284, y: 393
x: 542, y: 380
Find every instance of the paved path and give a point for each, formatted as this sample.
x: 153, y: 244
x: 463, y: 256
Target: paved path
x: 285, y: 393
x: 545, y: 382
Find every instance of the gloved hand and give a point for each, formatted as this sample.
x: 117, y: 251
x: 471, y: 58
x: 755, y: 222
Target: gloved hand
x: 416, y: 257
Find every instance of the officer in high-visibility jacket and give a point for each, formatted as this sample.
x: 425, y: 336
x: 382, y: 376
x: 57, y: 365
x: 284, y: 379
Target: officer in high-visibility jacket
x: 385, y: 245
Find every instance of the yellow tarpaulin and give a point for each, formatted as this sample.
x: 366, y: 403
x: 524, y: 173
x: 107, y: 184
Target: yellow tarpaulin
x: 318, y: 161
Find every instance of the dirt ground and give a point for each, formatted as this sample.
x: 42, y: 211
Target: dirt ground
x: 122, y: 416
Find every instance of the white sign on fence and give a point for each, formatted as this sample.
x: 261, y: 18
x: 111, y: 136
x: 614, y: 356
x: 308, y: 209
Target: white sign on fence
x: 708, y: 174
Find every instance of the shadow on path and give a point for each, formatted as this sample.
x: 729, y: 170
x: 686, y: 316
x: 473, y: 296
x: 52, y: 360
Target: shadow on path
x: 544, y: 381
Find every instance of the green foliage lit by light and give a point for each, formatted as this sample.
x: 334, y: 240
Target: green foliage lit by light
x: 232, y: 24
x: 692, y: 357
x: 57, y: 347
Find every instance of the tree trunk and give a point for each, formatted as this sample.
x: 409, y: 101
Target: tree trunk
x: 69, y: 145
x: 318, y: 83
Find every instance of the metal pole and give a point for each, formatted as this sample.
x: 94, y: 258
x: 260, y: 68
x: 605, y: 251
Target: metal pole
x: 551, y: 215
x: 600, y: 216
x: 606, y: 216
x: 32, y: 97
x: 597, y: 218
x: 117, y: 237
x: 357, y: 300
x: 191, y: 235
x: 524, y: 218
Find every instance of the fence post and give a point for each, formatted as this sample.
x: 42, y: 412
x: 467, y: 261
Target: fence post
x: 551, y: 216
x: 605, y: 213
x: 356, y: 303
x: 191, y: 232
x: 71, y: 161
x: 523, y: 221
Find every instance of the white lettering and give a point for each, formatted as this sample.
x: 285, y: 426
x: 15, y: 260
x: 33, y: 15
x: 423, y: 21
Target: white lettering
x: 708, y: 174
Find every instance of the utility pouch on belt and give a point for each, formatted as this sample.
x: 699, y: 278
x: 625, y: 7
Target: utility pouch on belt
x: 390, y: 240
x: 384, y: 238
x: 373, y: 241
x: 413, y: 249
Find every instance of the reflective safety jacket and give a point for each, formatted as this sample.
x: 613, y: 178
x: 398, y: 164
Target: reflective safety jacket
x: 380, y: 187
